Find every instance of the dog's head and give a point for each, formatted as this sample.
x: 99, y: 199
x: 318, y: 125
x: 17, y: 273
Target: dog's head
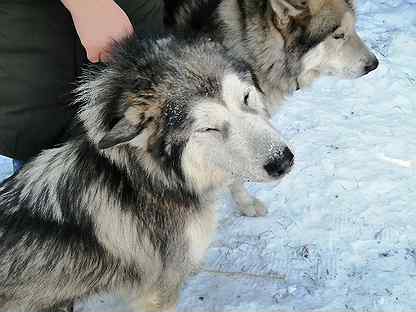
x: 231, y: 137
x: 187, y: 112
x: 322, y: 34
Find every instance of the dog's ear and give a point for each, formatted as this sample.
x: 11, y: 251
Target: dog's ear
x: 138, y: 117
x: 123, y: 131
x: 286, y: 10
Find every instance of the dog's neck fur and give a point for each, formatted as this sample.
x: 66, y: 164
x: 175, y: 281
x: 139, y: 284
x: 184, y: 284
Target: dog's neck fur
x: 145, y: 174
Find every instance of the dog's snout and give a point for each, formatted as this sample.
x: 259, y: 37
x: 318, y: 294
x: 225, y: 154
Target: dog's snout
x: 372, y: 65
x: 281, y: 165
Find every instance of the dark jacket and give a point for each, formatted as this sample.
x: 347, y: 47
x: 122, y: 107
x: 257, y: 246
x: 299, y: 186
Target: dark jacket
x: 40, y: 57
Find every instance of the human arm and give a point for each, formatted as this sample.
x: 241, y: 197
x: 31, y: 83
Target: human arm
x: 98, y: 23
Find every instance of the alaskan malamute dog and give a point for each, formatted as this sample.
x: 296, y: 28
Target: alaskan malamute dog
x: 130, y: 202
x: 288, y: 43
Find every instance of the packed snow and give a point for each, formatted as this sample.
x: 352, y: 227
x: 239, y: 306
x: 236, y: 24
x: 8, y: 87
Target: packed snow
x: 341, y: 231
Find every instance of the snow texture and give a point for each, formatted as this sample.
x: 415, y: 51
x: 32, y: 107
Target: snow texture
x: 341, y: 232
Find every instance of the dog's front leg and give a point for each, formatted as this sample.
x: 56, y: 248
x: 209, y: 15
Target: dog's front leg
x: 249, y: 206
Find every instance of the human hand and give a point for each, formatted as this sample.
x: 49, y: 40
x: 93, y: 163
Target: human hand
x: 98, y: 23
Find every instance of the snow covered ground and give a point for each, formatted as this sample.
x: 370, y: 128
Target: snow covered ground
x: 341, y: 232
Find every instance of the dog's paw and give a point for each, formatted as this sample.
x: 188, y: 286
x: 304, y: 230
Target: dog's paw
x: 254, y: 209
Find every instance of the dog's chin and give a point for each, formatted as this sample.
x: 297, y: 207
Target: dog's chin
x: 351, y: 75
x: 252, y: 178
x: 347, y: 74
x: 266, y: 178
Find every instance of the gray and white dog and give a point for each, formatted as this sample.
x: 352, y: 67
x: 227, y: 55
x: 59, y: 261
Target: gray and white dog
x: 129, y: 203
x: 288, y: 43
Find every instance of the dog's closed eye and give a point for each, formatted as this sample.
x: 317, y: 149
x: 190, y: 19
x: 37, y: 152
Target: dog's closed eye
x: 246, y: 97
x: 338, y: 36
x: 209, y: 129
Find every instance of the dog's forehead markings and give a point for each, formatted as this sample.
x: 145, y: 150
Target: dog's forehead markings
x: 348, y: 21
x: 330, y: 17
x: 209, y: 113
x: 210, y: 107
x: 341, y: 7
x: 330, y: 11
x: 233, y: 90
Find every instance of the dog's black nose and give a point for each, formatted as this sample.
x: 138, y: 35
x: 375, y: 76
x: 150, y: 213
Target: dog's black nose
x: 372, y: 65
x: 280, y: 165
